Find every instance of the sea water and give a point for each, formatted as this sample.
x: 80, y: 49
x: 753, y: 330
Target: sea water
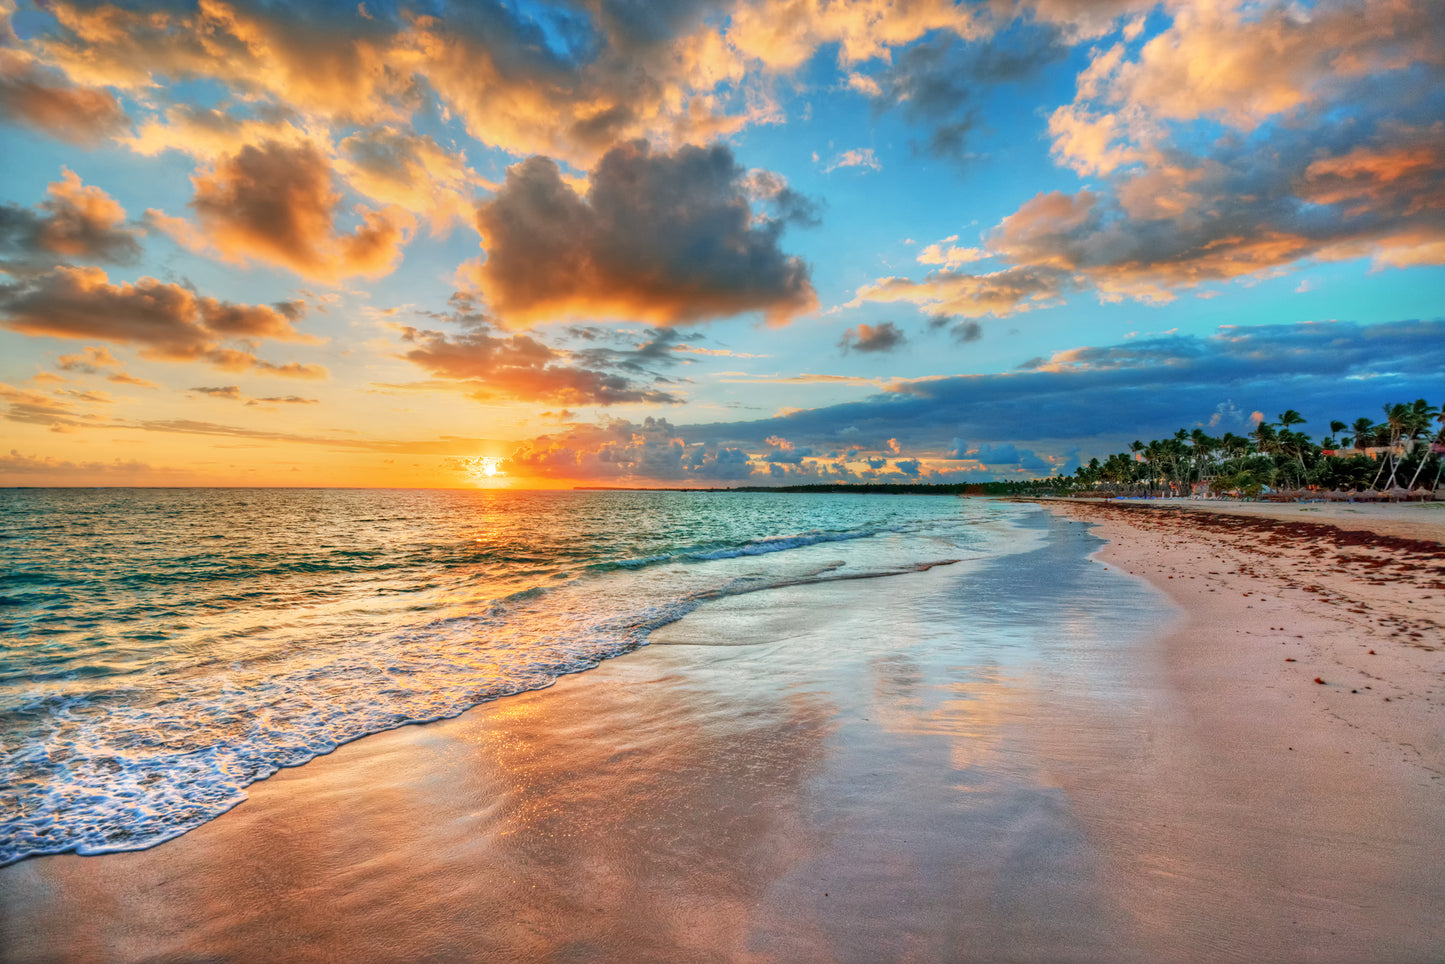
x: 162, y: 649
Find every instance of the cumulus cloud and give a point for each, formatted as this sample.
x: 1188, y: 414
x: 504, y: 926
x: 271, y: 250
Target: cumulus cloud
x: 410, y: 171
x: 662, y: 238
x: 275, y: 203
x: 166, y: 321
x: 883, y: 337
x: 44, y: 98
x: 73, y: 222
x: 952, y: 256
x: 1177, y: 206
x: 563, y: 80
x: 621, y: 450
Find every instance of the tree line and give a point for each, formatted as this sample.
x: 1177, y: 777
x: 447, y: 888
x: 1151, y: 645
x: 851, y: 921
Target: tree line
x: 1400, y: 452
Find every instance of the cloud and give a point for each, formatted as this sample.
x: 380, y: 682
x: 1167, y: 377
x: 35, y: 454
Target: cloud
x: 951, y: 257
x: 783, y: 34
x: 275, y: 203
x: 43, y: 98
x: 1243, y: 64
x: 166, y: 321
x: 95, y: 361
x: 625, y: 451
x: 1145, y: 387
x: 1002, y: 457
x: 72, y: 222
x: 29, y: 467
x: 859, y: 157
x: 230, y: 392
x: 410, y: 171
x: 661, y: 238
x: 233, y: 393
x: 1241, y: 141
x: 489, y: 365
x: 936, y: 81
x: 882, y: 337
x: 998, y: 293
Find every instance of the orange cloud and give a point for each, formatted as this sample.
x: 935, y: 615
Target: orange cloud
x: 166, y: 321
x: 1403, y: 173
x: 45, y: 99
x: 489, y: 366
x: 411, y: 172
x: 784, y: 34
x: 275, y: 203
x: 337, y: 67
x: 998, y: 293
x: 626, y: 451
x: 73, y: 221
x: 94, y: 361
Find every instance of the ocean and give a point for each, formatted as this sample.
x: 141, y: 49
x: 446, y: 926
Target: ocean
x: 163, y: 649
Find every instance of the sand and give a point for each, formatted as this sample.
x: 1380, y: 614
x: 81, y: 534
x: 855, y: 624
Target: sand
x: 1284, y: 796
x: 881, y: 772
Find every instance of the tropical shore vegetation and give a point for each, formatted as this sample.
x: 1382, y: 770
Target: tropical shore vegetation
x: 1400, y: 456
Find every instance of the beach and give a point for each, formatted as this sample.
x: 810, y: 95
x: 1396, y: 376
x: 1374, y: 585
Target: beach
x: 1078, y: 751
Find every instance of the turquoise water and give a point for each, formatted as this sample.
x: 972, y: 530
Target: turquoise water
x: 164, y: 649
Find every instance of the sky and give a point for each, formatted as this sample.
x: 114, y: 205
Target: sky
x: 612, y: 242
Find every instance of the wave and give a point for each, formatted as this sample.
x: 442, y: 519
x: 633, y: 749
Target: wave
x: 752, y: 547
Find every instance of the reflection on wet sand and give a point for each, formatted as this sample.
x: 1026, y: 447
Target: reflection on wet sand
x: 855, y: 785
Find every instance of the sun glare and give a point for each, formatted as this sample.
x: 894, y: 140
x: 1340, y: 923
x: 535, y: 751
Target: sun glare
x: 484, y: 469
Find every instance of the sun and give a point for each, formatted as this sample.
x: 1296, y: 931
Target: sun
x: 484, y: 469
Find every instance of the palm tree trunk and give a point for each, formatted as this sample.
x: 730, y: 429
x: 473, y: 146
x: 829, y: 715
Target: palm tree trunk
x: 1418, y: 470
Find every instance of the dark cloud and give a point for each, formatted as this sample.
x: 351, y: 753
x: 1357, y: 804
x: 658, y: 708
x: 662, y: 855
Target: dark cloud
x: 231, y: 392
x: 1002, y: 457
x: 493, y: 365
x: 963, y: 331
x: 165, y: 321
x: 662, y: 238
x: 1146, y: 388
x: 936, y: 82
x: 636, y: 353
x: 883, y: 337
x: 73, y: 222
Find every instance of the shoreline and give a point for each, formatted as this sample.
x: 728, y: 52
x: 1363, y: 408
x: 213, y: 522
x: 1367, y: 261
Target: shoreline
x: 828, y: 772
x: 1297, y: 714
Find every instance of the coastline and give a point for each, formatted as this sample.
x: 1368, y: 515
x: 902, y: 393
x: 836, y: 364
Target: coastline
x: 1285, y: 794
x: 882, y: 770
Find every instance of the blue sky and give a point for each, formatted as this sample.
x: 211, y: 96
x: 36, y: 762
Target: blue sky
x: 699, y: 243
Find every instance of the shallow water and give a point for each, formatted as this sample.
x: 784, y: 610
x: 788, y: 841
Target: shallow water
x: 820, y: 771
x: 164, y: 649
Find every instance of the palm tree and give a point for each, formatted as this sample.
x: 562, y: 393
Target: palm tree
x: 1364, y: 434
x: 1234, y: 445
x: 1290, y: 417
x: 1265, y: 440
x: 1421, y: 415
x: 1290, y: 439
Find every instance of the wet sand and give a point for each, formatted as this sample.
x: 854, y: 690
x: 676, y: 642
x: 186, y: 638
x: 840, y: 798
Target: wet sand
x: 1042, y: 759
x: 1284, y: 797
